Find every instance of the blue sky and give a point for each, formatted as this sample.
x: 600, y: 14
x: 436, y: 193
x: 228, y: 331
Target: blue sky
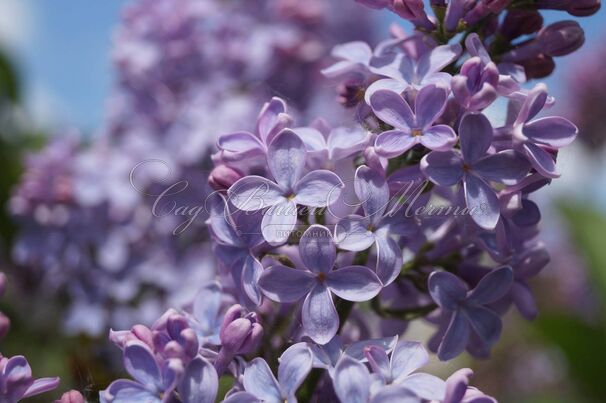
x: 62, y: 49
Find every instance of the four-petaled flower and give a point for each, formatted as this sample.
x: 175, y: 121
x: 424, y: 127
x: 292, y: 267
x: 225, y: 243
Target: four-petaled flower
x: 411, y: 128
x: 286, y: 159
x: 469, y: 317
x: 476, y: 169
x: 318, y: 282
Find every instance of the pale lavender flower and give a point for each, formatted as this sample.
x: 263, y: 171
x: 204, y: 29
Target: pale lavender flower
x: 412, y: 128
x: 286, y: 158
x: 317, y: 282
x: 376, y: 227
x: 459, y: 391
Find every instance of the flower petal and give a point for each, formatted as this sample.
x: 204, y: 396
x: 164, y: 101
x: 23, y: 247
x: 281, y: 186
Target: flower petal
x: 541, y: 160
x: 486, y: 324
x: 407, y: 357
x: 442, y: 168
x: 127, y: 391
x: 392, y: 109
x: 240, y: 142
x: 351, y: 381
x: 272, y: 119
x: 141, y: 364
x: 393, y: 143
x: 438, y: 58
x: 285, y: 284
x: 319, y: 316
x: 286, y: 158
x: 524, y: 300
x: 389, y: 259
x: 455, y: 339
x: 253, y: 192
x: 354, y: 283
x: 279, y: 221
x: 475, y: 133
x: 554, y: 131
x: 534, y: 103
x: 41, y: 385
x: 508, y: 167
x: 318, y: 188
x: 491, y: 287
x: 251, y: 272
x: 439, y: 138
x: 372, y: 190
x: 379, y: 362
x: 200, y: 382
x: 295, y: 364
x: 317, y: 249
x: 259, y: 381
x: 446, y: 289
x: 425, y: 386
x: 429, y: 105
x: 482, y: 202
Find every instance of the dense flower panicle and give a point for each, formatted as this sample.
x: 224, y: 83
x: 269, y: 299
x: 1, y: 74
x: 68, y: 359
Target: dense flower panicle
x: 328, y: 238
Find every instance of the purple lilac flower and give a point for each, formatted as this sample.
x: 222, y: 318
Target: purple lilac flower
x: 286, y: 158
x: 261, y: 385
x: 358, y: 233
x: 476, y: 169
x: 537, y: 137
x: 16, y: 381
x: 468, y: 317
x: 317, y: 282
x: 411, y: 128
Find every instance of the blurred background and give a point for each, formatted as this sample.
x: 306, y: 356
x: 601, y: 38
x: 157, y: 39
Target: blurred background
x: 88, y: 90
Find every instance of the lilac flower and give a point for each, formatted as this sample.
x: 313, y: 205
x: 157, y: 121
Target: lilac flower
x: 405, y: 72
x: 358, y: 233
x: 398, y: 369
x: 411, y: 128
x: 204, y: 317
x: 535, y: 137
x: 353, y: 58
x: 476, y: 169
x: 286, y: 158
x: 262, y: 386
x: 16, y: 381
x: 469, y: 317
x: 318, y: 282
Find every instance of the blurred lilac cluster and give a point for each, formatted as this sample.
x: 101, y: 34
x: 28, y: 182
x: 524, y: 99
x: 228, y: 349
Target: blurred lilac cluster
x: 186, y: 71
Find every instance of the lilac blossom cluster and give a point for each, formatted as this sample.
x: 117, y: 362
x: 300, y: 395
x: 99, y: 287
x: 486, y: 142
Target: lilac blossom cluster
x: 331, y: 239
x: 186, y: 70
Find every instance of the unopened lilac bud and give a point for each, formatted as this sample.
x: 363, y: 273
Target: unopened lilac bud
x: 561, y: 38
x: 413, y: 11
x: 483, y: 9
x: 234, y: 334
x: 234, y: 312
x: 143, y: 333
x: 454, y: 13
x: 253, y: 340
x: 539, y: 66
x: 521, y: 22
x: 72, y: 396
x: 222, y: 177
x: 5, y: 324
x: 584, y: 8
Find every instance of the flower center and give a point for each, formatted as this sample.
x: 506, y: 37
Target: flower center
x: 321, y: 277
x: 417, y: 132
x: 466, y: 167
